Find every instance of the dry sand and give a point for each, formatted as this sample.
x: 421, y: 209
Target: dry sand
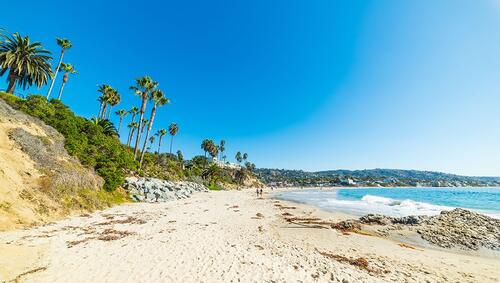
x: 228, y: 236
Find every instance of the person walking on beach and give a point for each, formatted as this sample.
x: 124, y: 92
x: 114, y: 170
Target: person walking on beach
x: 257, y: 192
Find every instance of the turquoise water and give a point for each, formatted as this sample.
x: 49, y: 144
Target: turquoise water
x: 399, y: 201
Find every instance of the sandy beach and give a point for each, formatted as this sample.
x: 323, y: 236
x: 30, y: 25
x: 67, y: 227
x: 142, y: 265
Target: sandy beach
x: 226, y: 236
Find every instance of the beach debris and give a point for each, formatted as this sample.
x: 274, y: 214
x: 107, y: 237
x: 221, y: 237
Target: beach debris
x: 112, y: 234
x: 403, y: 245
x: 359, y: 262
x: 349, y: 225
x: 38, y: 269
x: 259, y: 247
x: 71, y: 244
x: 128, y: 220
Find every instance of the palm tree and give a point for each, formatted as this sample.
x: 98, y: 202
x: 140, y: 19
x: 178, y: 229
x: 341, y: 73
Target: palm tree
x: 213, y: 150
x: 121, y: 113
x: 172, y: 129
x: 159, y: 99
x: 105, y: 91
x: 67, y: 69
x: 132, y: 126
x: 114, y: 99
x: 143, y: 88
x: 133, y: 111
x: 245, y: 156
x: 27, y: 62
x: 144, y: 122
x: 238, y: 157
x: 64, y: 44
x: 151, y: 141
x: 160, y: 133
x: 222, y: 148
x: 107, y: 126
x: 205, y: 145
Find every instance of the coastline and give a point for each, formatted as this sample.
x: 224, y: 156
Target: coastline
x: 223, y: 236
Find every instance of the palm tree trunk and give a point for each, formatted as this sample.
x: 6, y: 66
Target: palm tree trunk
x: 109, y: 112
x: 132, y: 130
x: 12, y: 78
x: 159, y: 143
x: 55, y: 74
x: 103, y: 114
x: 171, y: 142
x: 61, y: 91
x: 120, y: 124
x: 151, y: 120
x: 141, y: 115
x: 100, y: 109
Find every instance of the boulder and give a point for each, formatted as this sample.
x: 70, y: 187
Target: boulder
x: 157, y: 190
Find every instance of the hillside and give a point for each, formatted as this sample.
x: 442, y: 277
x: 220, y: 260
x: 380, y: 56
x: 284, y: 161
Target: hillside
x: 39, y: 180
x: 372, y: 177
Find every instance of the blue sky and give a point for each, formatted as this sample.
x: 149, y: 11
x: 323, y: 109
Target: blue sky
x: 307, y: 85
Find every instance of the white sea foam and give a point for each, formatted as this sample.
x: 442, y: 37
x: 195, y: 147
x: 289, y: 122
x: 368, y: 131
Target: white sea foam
x: 368, y: 204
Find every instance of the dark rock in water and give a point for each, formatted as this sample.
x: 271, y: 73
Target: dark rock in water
x: 409, y: 220
x: 463, y: 229
x: 377, y: 219
x: 458, y: 228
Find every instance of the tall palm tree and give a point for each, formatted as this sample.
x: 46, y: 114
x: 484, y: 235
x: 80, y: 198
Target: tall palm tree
x: 160, y: 133
x: 238, y: 157
x: 132, y: 126
x: 114, y: 99
x: 144, y: 122
x: 159, y: 99
x: 151, y: 141
x: 222, y: 148
x: 172, y: 129
x: 121, y: 113
x: 213, y: 149
x: 143, y: 88
x: 64, y: 44
x: 133, y: 111
x: 245, y: 156
x: 67, y: 69
x: 205, y: 145
x: 105, y: 90
x: 27, y: 62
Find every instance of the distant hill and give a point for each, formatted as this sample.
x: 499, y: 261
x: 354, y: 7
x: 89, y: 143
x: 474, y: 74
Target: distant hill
x: 372, y: 177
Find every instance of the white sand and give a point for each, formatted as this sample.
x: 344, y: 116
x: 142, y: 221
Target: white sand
x: 208, y: 239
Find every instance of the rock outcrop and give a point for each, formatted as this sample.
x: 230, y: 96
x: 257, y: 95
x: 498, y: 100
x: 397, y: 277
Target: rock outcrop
x: 39, y: 180
x: 156, y: 190
x: 457, y: 228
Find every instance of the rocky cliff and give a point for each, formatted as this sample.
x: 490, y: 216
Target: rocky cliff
x: 39, y: 181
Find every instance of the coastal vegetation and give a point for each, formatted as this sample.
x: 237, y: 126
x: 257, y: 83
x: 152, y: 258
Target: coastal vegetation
x: 96, y: 141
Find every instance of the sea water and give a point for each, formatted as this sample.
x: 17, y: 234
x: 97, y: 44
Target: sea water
x: 399, y: 201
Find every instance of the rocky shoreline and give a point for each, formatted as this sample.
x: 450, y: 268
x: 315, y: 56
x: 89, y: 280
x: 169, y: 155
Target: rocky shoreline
x: 458, y: 228
x: 157, y: 190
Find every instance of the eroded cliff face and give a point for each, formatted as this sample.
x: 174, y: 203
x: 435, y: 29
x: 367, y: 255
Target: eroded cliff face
x: 39, y: 181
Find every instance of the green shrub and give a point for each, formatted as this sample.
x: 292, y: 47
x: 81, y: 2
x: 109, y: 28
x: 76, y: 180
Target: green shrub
x: 83, y: 139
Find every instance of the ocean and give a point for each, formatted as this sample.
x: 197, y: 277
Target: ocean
x: 398, y: 201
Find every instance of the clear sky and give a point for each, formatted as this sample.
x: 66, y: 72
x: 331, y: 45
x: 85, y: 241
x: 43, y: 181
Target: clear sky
x: 297, y: 84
